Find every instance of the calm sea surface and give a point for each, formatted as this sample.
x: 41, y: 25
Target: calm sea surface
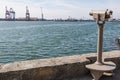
x: 35, y: 40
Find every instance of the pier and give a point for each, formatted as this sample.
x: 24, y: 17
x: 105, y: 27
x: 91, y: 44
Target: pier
x: 60, y: 68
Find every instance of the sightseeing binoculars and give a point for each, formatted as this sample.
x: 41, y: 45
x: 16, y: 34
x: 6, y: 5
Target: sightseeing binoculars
x: 101, y: 16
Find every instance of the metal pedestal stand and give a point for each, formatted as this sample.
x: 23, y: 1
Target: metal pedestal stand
x: 98, y: 68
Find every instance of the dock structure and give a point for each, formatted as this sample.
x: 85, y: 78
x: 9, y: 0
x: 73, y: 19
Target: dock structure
x: 9, y: 14
x: 27, y: 14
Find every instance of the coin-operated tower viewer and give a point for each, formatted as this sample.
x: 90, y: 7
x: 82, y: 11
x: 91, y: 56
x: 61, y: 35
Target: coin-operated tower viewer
x: 99, y: 67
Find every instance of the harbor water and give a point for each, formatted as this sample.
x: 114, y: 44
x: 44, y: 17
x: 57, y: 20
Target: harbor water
x: 28, y: 40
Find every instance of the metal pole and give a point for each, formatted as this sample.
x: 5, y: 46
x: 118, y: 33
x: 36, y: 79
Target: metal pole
x: 99, y: 44
x: 41, y: 13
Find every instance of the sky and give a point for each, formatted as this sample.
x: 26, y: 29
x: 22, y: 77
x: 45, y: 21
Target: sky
x: 60, y: 8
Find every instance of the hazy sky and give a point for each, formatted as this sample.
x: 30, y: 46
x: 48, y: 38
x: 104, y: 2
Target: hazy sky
x: 60, y: 8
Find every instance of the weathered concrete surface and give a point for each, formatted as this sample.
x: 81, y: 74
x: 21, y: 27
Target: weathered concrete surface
x: 61, y: 68
x: 116, y: 75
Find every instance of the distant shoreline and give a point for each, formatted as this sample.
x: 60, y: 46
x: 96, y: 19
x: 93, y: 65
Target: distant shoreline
x: 58, y: 20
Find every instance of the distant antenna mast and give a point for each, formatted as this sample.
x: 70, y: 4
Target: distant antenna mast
x: 42, y: 17
x: 6, y: 8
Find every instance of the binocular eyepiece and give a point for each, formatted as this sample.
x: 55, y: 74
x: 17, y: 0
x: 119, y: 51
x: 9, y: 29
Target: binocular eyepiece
x: 101, y: 16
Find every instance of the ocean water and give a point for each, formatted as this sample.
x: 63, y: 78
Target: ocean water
x: 22, y: 40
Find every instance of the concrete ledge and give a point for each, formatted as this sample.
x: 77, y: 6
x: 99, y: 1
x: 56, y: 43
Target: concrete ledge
x: 58, y: 68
